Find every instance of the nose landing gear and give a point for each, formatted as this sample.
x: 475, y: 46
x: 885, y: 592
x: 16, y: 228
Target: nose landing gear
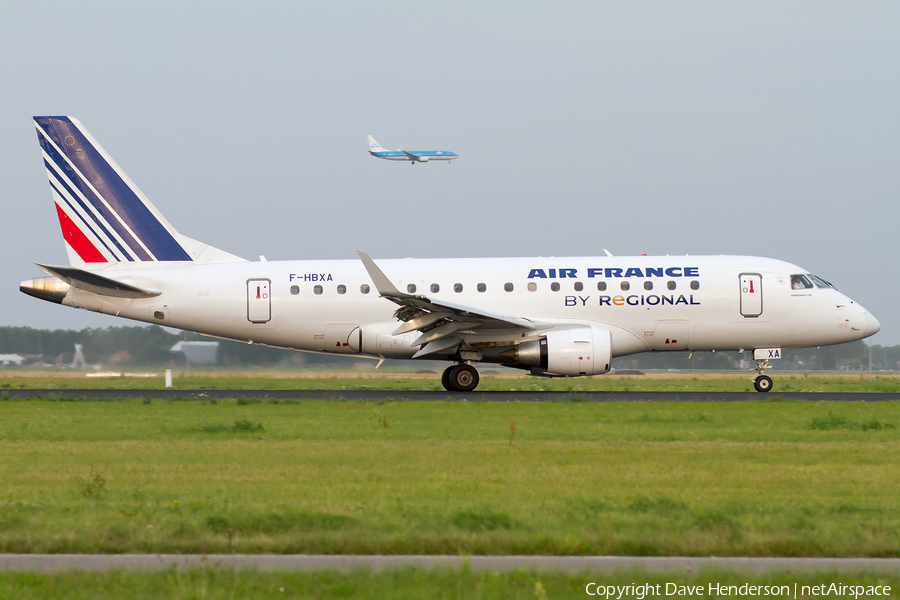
x: 459, y: 378
x: 761, y: 381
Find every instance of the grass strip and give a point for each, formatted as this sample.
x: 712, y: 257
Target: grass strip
x: 630, y: 478
x: 415, y: 583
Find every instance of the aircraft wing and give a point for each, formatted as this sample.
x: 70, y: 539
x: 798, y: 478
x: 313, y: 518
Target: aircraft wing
x: 439, y: 322
x: 410, y: 154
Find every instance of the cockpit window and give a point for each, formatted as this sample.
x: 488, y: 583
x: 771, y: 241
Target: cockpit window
x: 800, y: 282
x: 820, y: 283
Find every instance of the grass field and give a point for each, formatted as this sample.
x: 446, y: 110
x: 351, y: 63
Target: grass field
x: 761, y: 478
x: 491, y: 380
x: 401, y: 584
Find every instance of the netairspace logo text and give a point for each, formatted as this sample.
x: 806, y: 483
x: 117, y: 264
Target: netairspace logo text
x: 648, y: 590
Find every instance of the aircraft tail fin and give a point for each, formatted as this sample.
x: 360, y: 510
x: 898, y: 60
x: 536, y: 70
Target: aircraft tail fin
x: 103, y: 215
x: 374, y: 146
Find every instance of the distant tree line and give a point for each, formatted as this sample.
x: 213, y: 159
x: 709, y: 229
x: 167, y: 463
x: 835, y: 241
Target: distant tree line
x: 149, y: 346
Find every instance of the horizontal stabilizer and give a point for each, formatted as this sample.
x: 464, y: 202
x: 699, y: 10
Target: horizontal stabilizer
x: 98, y: 284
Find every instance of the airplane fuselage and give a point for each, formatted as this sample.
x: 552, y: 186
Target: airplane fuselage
x: 671, y: 303
x: 415, y: 155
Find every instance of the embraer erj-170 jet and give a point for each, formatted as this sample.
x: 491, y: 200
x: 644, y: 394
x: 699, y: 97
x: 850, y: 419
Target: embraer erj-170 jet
x: 415, y: 156
x: 553, y: 317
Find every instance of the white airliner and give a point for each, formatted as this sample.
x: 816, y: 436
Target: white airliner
x: 415, y: 156
x: 551, y: 316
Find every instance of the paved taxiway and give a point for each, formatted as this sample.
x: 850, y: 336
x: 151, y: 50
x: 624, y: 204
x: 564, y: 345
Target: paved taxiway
x: 306, y: 562
x: 510, y: 396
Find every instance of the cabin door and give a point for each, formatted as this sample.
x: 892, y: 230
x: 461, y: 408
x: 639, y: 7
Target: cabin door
x: 259, y: 300
x: 751, y: 295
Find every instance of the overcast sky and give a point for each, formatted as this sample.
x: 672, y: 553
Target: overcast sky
x: 762, y: 128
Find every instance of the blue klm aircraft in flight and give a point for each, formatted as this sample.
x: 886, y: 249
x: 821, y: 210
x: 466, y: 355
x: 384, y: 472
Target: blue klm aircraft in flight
x: 415, y: 156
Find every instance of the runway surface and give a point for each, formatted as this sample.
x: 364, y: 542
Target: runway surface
x: 306, y: 562
x: 421, y: 396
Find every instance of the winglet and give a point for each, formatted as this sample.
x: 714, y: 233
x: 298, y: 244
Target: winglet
x: 382, y: 283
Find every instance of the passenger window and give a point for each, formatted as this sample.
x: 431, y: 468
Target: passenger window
x: 579, y: 286
x: 671, y: 285
x: 695, y: 285
x: 411, y: 288
x: 532, y: 286
x: 295, y: 289
x: 435, y: 288
x: 648, y: 285
x: 554, y: 286
x: 317, y: 290
x: 800, y: 282
x: 342, y: 289
x: 601, y: 286
x: 364, y: 288
x: 482, y: 287
x: 508, y: 287
x: 625, y: 286
x: 457, y: 287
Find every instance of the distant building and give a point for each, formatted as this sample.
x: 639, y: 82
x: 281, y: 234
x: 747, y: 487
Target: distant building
x: 196, y: 353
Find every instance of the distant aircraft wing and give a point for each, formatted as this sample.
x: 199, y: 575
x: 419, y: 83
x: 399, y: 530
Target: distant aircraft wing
x: 440, y: 322
x: 410, y: 154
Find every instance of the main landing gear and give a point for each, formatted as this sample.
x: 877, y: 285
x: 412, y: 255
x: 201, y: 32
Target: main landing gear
x: 459, y: 378
x: 761, y: 381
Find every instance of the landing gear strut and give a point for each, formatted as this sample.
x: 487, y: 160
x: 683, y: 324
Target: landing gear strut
x: 761, y: 381
x: 459, y: 378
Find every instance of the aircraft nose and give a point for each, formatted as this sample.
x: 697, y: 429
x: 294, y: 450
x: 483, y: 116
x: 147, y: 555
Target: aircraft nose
x: 872, y: 324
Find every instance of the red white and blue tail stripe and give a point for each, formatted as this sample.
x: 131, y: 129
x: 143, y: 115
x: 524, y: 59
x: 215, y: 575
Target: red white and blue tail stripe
x: 103, y: 215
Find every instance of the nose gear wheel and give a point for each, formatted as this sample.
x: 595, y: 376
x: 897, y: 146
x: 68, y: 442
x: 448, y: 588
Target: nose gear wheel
x: 761, y: 381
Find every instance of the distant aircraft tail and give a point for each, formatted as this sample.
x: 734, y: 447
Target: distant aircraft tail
x: 104, y: 217
x: 374, y: 146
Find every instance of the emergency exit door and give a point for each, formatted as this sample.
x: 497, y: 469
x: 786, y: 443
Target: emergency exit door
x: 259, y: 300
x: 751, y: 294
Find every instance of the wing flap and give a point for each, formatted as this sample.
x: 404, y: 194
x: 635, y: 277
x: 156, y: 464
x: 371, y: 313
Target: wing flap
x: 439, y: 345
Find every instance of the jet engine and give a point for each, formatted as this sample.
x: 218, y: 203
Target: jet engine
x: 569, y: 352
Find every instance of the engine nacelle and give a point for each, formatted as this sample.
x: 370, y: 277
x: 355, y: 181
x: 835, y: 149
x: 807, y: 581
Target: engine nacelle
x: 422, y: 159
x: 571, y: 352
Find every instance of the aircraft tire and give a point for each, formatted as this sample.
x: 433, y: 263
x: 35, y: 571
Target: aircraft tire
x: 445, y: 378
x: 763, y: 383
x: 463, y: 378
